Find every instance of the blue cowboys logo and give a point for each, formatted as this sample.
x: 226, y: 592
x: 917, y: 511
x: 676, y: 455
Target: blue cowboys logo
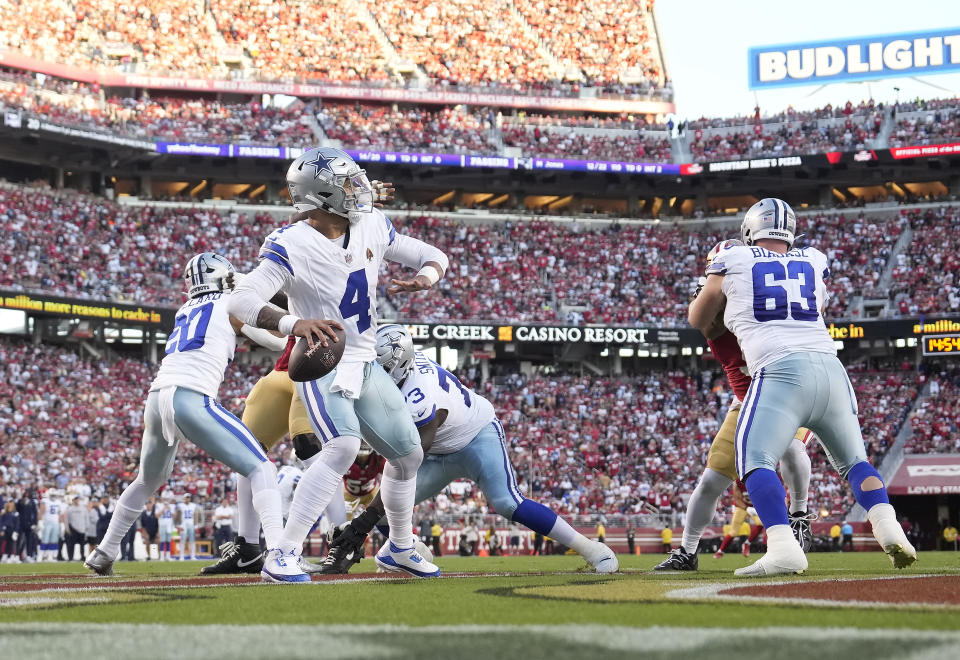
x: 319, y: 163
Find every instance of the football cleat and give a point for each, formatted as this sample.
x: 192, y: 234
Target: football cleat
x: 603, y: 560
x: 745, y: 549
x: 425, y: 552
x: 800, y: 524
x: 405, y: 560
x: 239, y: 557
x: 784, y: 556
x: 309, y: 567
x: 283, y: 567
x: 99, y: 562
x: 679, y: 560
x: 718, y: 554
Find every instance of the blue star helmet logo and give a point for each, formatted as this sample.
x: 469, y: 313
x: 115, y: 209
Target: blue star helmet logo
x: 319, y: 163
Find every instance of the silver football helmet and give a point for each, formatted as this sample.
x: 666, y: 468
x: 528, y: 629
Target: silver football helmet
x: 395, y: 351
x: 205, y: 273
x: 328, y: 179
x: 769, y: 218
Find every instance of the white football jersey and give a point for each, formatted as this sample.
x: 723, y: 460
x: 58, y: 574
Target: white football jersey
x: 164, y: 512
x: 337, y: 279
x: 200, y: 346
x: 429, y: 388
x: 53, y: 509
x: 188, y: 513
x: 287, y: 479
x: 774, y: 302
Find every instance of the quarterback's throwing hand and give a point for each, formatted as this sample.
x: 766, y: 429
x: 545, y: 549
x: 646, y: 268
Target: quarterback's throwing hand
x: 418, y: 283
x: 311, y: 328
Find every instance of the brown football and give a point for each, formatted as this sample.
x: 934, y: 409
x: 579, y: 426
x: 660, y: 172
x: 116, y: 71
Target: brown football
x: 308, y: 364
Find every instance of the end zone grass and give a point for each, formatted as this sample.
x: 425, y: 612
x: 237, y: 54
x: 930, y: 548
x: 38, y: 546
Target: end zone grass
x: 549, y: 597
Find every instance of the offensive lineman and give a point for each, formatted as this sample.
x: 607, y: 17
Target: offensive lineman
x: 182, y: 404
x: 772, y: 298
x: 720, y: 471
x: 463, y: 439
x: 327, y: 263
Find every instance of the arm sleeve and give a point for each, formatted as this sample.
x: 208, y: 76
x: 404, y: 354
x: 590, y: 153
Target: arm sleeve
x: 264, y: 338
x: 254, y: 290
x: 413, y: 253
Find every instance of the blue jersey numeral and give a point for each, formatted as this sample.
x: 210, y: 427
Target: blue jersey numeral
x: 356, y: 300
x: 763, y: 292
x: 417, y: 394
x: 446, y: 378
x: 190, y: 330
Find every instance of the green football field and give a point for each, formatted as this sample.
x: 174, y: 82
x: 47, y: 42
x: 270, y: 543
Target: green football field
x: 850, y: 605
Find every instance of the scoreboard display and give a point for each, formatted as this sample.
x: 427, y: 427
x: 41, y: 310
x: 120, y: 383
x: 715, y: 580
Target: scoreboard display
x: 941, y: 344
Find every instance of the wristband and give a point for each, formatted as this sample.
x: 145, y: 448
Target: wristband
x: 286, y: 323
x: 431, y: 273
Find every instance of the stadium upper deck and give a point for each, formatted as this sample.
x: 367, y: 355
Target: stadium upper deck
x: 489, y: 44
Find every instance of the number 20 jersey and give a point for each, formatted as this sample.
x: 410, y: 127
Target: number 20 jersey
x: 429, y: 388
x: 200, y: 346
x: 774, y: 302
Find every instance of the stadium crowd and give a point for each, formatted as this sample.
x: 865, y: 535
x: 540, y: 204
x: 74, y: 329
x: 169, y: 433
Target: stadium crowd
x: 926, y: 277
x: 90, y: 247
x: 936, y: 419
x: 584, y: 445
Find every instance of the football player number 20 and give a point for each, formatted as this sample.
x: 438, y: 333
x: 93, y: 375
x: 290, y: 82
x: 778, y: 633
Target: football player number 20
x: 356, y: 300
x: 766, y: 274
x: 190, y: 330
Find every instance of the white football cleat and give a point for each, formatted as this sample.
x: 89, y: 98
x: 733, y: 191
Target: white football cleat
x: 603, y: 559
x: 405, y: 560
x: 283, y: 567
x: 423, y: 550
x: 784, y: 555
x: 890, y: 536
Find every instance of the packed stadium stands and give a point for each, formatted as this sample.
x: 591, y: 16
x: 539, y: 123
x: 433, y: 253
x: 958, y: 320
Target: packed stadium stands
x: 585, y: 445
x: 926, y: 276
x: 936, y: 419
x: 556, y: 272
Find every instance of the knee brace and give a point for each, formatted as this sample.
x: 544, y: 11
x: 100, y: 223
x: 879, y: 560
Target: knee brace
x: 868, y: 488
x: 306, y: 445
x: 405, y: 467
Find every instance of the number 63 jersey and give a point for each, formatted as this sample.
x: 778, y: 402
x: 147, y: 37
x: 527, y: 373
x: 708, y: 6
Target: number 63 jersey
x: 199, y: 347
x: 774, y: 302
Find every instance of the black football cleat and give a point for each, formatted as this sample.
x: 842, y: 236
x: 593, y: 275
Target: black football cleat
x: 342, y: 555
x: 800, y: 524
x: 239, y: 557
x: 679, y: 560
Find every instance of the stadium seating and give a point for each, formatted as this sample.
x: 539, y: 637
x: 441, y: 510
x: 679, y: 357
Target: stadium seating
x: 581, y: 444
x: 926, y: 277
x: 556, y: 272
x: 936, y: 419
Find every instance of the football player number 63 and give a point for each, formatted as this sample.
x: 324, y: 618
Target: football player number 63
x: 765, y: 289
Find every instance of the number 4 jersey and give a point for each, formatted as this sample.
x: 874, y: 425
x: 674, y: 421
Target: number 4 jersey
x: 774, y: 302
x: 199, y: 347
x: 429, y: 388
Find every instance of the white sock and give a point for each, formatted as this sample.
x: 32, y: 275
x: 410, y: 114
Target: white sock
x: 398, y: 500
x: 266, y: 501
x: 248, y: 521
x: 795, y: 469
x: 702, y: 506
x: 126, y: 513
x: 781, y: 536
x: 315, y: 490
x: 564, y: 534
x: 886, y: 528
x: 337, y: 510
